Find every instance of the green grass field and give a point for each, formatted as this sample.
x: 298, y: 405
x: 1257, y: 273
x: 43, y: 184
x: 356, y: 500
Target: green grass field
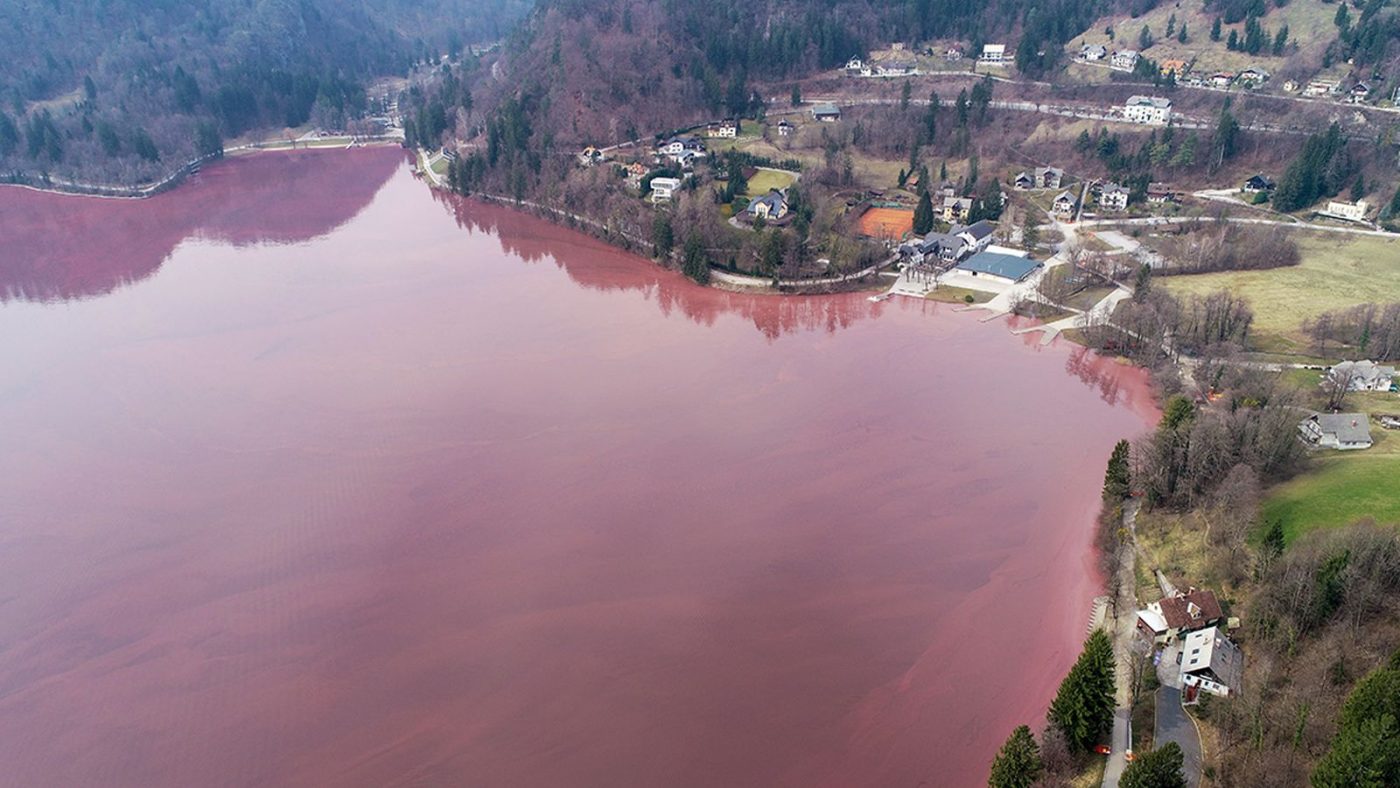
x: 1337, y: 271
x: 1341, y: 488
x: 767, y: 180
x: 958, y: 295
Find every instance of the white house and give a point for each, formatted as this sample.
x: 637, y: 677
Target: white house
x: 1322, y: 87
x: 856, y: 66
x: 977, y: 236
x: 678, y: 145
x: 993, y: 53
x: 664, y: 189
x: 771, y: 206
x: 1113, y: 197
x: 1153, y: 110
x: 1064, y: 204
x: 1363, y: 376
x: 1358, y: 93
x: 1348, y: 211
x: 1124, y: 60
x: 1179, y: 614
x: 1093, y: 52
x: 1039, y: 178
x: 784, y: 128
x: 826, y: 112
x: 1340, y: 431
x: 725, y: 128
x: 1211, y: 662
x: 953, y: 53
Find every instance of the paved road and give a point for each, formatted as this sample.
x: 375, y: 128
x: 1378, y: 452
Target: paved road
x: 1173, y: 725
x: 1122, y: 631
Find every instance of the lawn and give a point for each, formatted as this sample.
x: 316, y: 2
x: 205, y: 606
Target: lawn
x: 958, y: 295
x: 1341, y: 488
x: 1336, y: 272
x: 1085, y: 299
x: 765, y: 181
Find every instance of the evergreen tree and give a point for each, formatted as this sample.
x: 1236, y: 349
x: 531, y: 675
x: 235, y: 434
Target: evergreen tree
x: 662, y: 236
x: 1181, y: 37
x: 1018, y: 764
x: 1341, y: 19
x: 904, y: 94
x: 1227, y: 132
x: 771, y: 256
x: 1233, y: 42
x: 1144, y: 38
x: 1215, y: 29
x: 1274, y: 539
x: 796, y: 95
x: 1083, y: 706
x: 696, y: 264
x: 1159, y: 768
x: 970, y: 184
x: 931, y: 118
x: 923, y: 213
x: 1366, y: 756
x: 144, y: 146
x: 1374, y: 696
x: 1171, y: 25
x: 1280, y: 40
x: 1392, y: 209
x: 1117, y: 480
x: 1358, y: 189
x: 9, y: 135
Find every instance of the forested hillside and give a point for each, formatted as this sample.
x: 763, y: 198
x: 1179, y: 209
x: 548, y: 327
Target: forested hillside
x: 119, y: 90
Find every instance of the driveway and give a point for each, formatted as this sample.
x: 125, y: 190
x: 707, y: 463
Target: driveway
x: 1174, y: 725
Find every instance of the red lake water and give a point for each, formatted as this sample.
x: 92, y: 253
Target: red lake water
x: 311, y: 477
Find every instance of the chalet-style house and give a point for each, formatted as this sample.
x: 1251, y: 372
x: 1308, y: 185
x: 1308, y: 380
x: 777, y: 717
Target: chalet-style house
x: 1322, y: 87
x: 727, y: 129
x: 1253, y: 77
x: 1222, y: 79
x: 940, y: 250
x: 784, y: 128
x: 1211, y: 662
x: 770, y: 207
x: 994, y: 54
x: 1362, y: 376
x: 1113, y: 197
x: 1174, y: 67
x: 1359, y: 93
x: 1178, y: 614
x: 1153, y: 110
x: 952, y: 54
x: 1340, y: 431
x: 977, y: 236
x: 1039, y: 178
x: 1161, y: 194
x: 1346, y: 211
x: 1257, y: 184
x: 678, y: 145
x: 955, y: 209
x: 664, y: 189
x: 1124, y: 60
x: 999, y: 267
x: 1064, y: 205
x: 826, y: 112
x: 1092, y: 53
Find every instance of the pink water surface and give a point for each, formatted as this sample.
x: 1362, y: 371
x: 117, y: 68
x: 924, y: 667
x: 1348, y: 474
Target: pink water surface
x: 309, y: 477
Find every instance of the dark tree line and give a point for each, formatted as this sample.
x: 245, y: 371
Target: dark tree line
x: 1322, y: 168
x: 1371, y: 330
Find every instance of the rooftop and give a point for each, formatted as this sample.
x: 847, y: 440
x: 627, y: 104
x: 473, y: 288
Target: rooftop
x: 1209, y: 650
x: 1194, y: 608
x: 1150, y: 101
x: 1348, y: 427
x: 1003, y: 265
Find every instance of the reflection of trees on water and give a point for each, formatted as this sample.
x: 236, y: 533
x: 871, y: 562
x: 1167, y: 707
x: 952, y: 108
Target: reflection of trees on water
x: 1097, y: 372
x: 60, y: 247
x: 598, y: 266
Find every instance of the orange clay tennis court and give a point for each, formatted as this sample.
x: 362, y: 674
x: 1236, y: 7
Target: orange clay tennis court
x: 886, y: 222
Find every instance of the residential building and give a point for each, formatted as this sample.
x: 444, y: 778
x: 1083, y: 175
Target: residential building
x: 1113, y: 197
x: 1363, y: 376
x: 664, y: 189
x: 590, y: 156
x: 1000, y: 268
x: 1211, y: 662
x: 1257, y: 184
x: 1153, y: 110
x: 941, y: 249
x: 1124, y: 60
x: 1092, y: 53
x: 993, y: 53
x: 770, y: 207
x: 898, y: 64
x: 784, y: 128
x: 1341, y: 431
x: 1253, y: 77
x: 726, y: 129
x: 678, y: 145
x: 977, y: 236
x: 1064, y: 205
x: 1039, y: 178
x: 826, y: 112
x: 953, y: 53
x: 856, y: 66
x: 1347, y: 211
x: 1161, y: 193
x: 1176, y: 67
x: 634, y: 173
x: 1359, y: 93
x: 1289, y: 86
x: 1222, y: 79
x: 955, y: 209
x: 1322, y: 87
x: 1178, y: 614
